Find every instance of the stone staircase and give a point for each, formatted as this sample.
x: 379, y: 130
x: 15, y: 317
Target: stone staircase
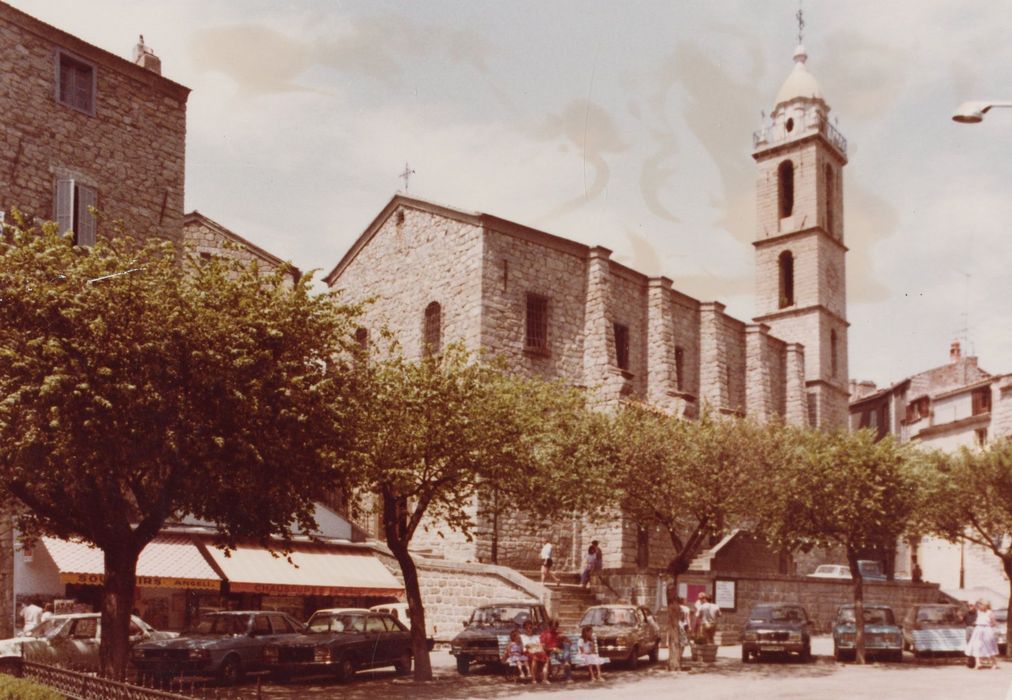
x: 570, y: 600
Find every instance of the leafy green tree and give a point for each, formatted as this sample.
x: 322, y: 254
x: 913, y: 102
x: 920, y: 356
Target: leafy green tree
x: 839, y: 489
x: 131, y: 393
x: 693, y: 479
x: 968, y: 496
x: 431, y: 436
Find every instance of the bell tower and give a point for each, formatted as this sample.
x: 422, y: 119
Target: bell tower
x: 799, y: 250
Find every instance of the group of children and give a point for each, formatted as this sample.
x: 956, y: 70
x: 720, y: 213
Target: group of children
x: 529, y: 653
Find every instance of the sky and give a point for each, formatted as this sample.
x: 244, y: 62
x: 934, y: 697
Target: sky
x: 622, y: 124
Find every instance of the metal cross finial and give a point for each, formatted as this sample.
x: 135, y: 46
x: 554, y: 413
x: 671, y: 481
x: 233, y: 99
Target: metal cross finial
x: 408, y: 172
x: 801, y: 23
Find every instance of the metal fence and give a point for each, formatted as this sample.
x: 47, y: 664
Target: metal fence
x: 76, y: 685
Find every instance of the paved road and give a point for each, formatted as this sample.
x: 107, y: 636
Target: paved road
x: 728, y: 679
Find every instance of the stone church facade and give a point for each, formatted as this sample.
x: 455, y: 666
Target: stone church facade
x: 560, y: 309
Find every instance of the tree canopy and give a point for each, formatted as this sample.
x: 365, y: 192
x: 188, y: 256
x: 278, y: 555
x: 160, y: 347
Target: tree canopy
x: 842, y: 489
x: 132, y: 392
x: 432, y: 435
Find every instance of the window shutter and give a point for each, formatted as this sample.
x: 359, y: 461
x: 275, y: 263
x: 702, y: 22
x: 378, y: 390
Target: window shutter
x: 65, y: 204
x: 86, y: 224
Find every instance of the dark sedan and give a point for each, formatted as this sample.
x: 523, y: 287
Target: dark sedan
x: 777, y: 628
x: 339, y: 643
x: 882, y: 636
x: 225, y: 645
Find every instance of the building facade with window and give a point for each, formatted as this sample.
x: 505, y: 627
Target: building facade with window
x: 946, y: 408
x: 85, y: 130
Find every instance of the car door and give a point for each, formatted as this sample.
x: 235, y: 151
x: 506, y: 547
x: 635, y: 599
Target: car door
x: 379, y: 652
x: 260, y: 635
x: 398, y: 639
x: 80, y: 649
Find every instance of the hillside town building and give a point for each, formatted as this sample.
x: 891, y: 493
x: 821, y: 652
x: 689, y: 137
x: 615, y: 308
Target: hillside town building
x: 560, y: 309
x: 950, y: 407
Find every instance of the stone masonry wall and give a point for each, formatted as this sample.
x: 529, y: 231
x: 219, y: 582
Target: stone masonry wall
x: 131, y: 151
x: 204, y: 237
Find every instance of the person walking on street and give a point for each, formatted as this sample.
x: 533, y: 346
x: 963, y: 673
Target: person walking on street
x: 677, y: 629
x: 32, y: 615
x: 707, y: 614
x: 589, y: 564
x: 546, y: 562
x: 983, y: 645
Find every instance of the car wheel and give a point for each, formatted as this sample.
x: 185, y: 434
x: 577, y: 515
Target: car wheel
x: 403, y: 664
x: 230, y: 672
x: 655, y: 651
x: 634, y: 658
x: 345, y: 669
x: 463, y: 664
x: 746, y: 656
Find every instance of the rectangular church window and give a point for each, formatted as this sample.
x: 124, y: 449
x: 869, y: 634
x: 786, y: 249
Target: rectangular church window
x: 622, y: 346
x: 536, y: 338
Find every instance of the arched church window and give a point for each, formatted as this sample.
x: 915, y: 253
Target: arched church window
x: 834, y: 361
x: 785, y: 189
x: 786, y: 267
x: 830, y: 198
x: 433, y: 329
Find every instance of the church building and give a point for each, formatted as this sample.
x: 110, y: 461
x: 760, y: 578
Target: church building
x: 565, y: 310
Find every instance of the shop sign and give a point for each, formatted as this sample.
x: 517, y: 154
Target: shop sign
x: 144, y: 581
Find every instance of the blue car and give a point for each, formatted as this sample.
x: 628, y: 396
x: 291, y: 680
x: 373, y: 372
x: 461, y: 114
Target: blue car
x: 882, y: 636
x: 225, y: 645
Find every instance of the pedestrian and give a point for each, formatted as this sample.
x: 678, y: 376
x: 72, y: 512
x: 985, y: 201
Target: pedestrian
x: 706, y: 615
x: 32, y: 614
x: 535, y: 651
x: 969, y: 619
x: 589, y: 564
x: 983, y: 646
x: 598, y: 560
x: 677, y: 629
x: 47, y: 612
x: 551, y: 642
x: 546, y: 562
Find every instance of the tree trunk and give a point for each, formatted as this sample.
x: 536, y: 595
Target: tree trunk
x: 674, y: 631
x: 117, y: 605
x: 416, y: 613
x: 394, y: 517
x: 855, y: 573
x: 1007, y: 563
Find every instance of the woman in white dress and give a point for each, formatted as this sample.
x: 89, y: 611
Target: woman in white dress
x: 983, y: 645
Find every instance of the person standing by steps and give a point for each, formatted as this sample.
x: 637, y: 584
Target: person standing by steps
x: 589, y: 565
x: 707, y: 614
x: 546, y: 562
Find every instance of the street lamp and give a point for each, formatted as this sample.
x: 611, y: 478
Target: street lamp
x: 973, y: 112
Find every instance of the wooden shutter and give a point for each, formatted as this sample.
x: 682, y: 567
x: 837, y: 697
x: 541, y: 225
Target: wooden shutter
x: 87, y: 198
x: 64, y: 214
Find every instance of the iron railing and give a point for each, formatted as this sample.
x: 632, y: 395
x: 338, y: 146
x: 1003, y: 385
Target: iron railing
x: 76, y: 685
x: 772, y: 135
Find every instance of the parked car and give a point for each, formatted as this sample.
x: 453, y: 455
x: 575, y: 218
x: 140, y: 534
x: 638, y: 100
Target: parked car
x: 73, y: 640
x: 934, y: 628
x: 479, y: 641
x: 1001, y: 619
x: 777, y: 628
x: 339, y: 643
x: 883, y: 637
x: 624, y: 632
x: 840, y: 571
x: 226, y: 645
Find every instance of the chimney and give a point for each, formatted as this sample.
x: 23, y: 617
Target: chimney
x: 145, y: 57
x: 954, y: 351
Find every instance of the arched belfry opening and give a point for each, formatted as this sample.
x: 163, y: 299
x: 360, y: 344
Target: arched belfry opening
x: 830, y: 192
x: 834, y: 352
x: 785, y: 188
x: 785, y: 264
x: 433, y: 329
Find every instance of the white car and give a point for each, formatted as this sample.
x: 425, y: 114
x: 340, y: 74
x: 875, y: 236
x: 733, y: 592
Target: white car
x: 72, y: 640
x: 838, y: 571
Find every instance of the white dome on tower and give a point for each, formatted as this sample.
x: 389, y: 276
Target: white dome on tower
x: 800, y: 84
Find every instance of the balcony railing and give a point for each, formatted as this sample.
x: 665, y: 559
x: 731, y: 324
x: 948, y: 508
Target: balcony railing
x: 774, y: 135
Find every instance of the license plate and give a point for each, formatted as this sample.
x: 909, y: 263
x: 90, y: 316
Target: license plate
x: 769, y: 647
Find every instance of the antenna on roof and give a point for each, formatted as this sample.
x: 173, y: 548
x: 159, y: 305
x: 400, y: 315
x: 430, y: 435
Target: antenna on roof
x: 964, y: 331
x: 800, y: 14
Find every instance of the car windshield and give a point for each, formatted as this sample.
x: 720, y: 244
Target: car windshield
x: 779, y: 614
x: 940, y: 615
x: 872, y: 616
x: 500, y: 614
x: 609, y: 616
x: 870, y: 568
x: 222, y: 624
x: 336, y: 622
x: 48, y: 629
